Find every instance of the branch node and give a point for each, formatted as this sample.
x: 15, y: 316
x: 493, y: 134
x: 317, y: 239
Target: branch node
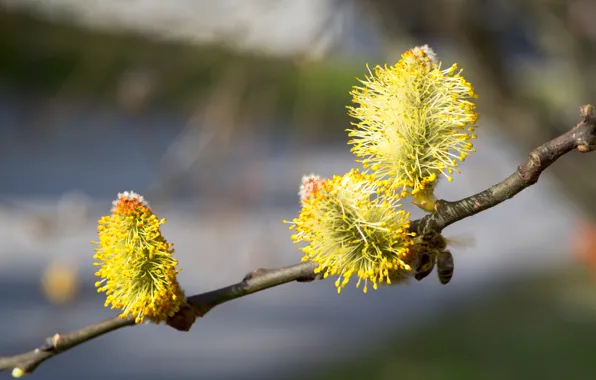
x: 56, y: 340
x: 530, y: 171
x: 586, y: 137
x: 587, y: 113
x: 48, y: 345
x: 586, y: 148
x: 183, y: 319
x: 255, y: 273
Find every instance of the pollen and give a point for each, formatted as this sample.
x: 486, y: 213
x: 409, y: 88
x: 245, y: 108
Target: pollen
x: 136, y: 266
x: 414, y: 122
x: 310, y: 185
x: 350, y: 231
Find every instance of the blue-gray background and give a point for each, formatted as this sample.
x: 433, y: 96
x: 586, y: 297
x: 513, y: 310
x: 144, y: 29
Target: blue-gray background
x: 214, y: 111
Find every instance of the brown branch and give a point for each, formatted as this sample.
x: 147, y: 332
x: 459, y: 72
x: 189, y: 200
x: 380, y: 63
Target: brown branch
x: 581, y: 137
x: 200, y: 304
x: 27, y: 362
x: 253, y: 282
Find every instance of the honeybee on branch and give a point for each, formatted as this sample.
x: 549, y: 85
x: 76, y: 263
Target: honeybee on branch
x: 431, y: 250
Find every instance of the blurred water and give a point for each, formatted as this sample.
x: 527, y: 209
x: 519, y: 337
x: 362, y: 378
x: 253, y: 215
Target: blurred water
x: 220, y: 236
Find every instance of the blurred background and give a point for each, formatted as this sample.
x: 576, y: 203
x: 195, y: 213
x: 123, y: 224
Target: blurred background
x: 214, y: 110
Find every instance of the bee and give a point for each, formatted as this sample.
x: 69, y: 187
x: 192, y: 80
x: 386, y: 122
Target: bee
x: 431, y: 250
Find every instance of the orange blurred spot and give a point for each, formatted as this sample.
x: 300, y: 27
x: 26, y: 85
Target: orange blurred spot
x: 60, y: 282
x: 584, y: 244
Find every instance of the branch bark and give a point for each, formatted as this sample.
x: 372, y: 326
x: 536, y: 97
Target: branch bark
x: 198, y: 305
x: 27, y: 362
x: 581, y: 137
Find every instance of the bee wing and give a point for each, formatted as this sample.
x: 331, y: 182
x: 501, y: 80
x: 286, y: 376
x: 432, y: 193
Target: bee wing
x: 461, y: 241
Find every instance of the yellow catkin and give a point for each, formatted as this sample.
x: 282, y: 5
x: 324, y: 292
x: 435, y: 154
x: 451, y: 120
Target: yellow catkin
x: 135, y: 262
x: 415, y: 122
x: 350, y: 231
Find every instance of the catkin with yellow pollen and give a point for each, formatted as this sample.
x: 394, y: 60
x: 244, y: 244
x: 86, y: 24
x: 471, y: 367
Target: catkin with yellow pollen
x: 135, y: 262
x: 351, y: 231
x: 415, y: 122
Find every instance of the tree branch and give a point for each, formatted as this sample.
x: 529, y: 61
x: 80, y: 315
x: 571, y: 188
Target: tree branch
x: 27, y: 362
x: 253, y: 282
x: 581, y: 137
x: 198, y: 305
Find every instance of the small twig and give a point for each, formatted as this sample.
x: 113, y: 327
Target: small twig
x: 256, y: 281
x: 581, y: 137
x: 200, y: 304
x: 27, y: 362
